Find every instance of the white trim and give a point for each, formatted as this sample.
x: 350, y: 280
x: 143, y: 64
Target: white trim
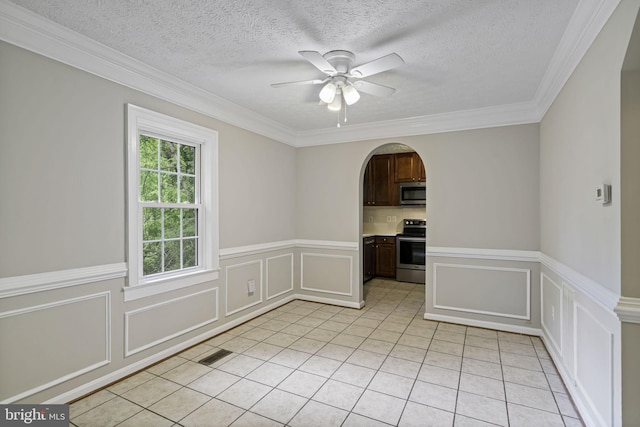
x: 544, y: 278
x: 483, y: 324
x: 129, y: 314
x: 240, y: 251
x: 107, y: 325
x: 290, y: 255
x: 478, y: 253
x: 226, y: 283
x: 141, y: 120
x: 527, y: 273
x: 479, y: 118
x: 598, y: 293
x: 586, y: 398
x: 163, y: 354
x: 132, y: 293
x: 328, y: 244
x: 585, y: 25
x: 30, y: 31
x: 313, y: 298
x: 22, y: 285
x: 628, y: 310
x: 349, y: 294
x: 569, y: 382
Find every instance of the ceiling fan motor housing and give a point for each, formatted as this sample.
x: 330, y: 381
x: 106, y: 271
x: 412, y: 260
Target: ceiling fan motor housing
x: 342, y: 60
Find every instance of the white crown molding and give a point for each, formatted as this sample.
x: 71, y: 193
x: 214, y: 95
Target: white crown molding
x: 500, y: 115
x: 628, y: 310
x: 30, y: 31
x: 585, y: 25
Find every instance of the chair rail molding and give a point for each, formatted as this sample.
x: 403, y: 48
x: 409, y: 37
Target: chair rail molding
x: 27, y: 284
x: 628, y: 309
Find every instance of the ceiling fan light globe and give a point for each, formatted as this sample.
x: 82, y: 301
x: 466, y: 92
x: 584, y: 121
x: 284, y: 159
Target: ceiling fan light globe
x: 328, y: 93
x: 351, y: 95
x: 336, y: 104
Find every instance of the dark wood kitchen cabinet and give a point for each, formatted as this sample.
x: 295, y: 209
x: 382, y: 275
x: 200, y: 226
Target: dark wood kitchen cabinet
x: 386, y: 256
x: 369, y: 261
x: 379, y: 188
x: 408, y: 167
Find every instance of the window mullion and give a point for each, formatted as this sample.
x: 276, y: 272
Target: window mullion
x: 162, y: 238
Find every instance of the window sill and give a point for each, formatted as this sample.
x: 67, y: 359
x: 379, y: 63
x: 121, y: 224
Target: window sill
x: 132, y: 293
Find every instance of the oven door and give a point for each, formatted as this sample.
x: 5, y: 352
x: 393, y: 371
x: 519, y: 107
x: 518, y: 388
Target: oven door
x: 411, y: 252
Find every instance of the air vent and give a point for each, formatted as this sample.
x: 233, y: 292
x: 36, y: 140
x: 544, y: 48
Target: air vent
x: 215, y: 357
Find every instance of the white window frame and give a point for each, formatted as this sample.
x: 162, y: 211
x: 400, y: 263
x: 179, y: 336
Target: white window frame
x: 143, y: 121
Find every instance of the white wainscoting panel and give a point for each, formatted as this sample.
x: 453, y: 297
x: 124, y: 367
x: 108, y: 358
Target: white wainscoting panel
x: 154, y: 324
x: 552, y: 315
x: 473, y: 289
x: 56, y: 342
x: 279, y: 275
x: 329, y: 274
x: 237, y: 296
x: 594, y: 363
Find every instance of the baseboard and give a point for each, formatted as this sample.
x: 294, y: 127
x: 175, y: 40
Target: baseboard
x: 582, y: 405
x: 112, y: 377
x: 312, y: 298
x: 483, y: 324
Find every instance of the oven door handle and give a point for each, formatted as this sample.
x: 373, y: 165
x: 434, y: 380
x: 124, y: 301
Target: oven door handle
x: 411, y: 239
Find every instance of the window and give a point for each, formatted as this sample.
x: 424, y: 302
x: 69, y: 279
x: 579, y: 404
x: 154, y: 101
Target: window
x: 172, y: 211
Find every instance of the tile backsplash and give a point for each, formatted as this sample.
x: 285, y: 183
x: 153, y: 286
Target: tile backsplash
x: 388, y: 220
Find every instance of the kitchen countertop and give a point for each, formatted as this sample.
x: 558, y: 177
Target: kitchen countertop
x: 364, y: 235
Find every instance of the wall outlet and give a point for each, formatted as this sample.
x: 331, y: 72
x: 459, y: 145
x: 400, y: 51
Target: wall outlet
x: 370, y: 219
x: 389, y: 219
x: 251, y: 287
x: 394, y: 218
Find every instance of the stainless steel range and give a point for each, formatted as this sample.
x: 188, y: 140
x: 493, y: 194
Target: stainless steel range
x: 411, y: 251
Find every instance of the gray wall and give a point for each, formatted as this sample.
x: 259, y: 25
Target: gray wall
x: 583, y: 145
x: 482, y: 188
x: 62, y: 169
x: 630, y: 193
x: 579, y: 150
x: 62, y: 192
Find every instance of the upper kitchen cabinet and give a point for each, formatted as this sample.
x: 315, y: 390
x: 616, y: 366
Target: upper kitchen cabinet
x: 408, y: 167
x: 378, y: 181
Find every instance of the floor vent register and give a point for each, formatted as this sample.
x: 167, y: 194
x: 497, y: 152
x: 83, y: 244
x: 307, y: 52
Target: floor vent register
x: 215, y: 357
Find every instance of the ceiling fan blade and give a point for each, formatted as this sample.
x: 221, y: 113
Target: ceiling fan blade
x: 318, y: 61
x: 376, y: 66
x: 373, y: 88
x: 300, y: 83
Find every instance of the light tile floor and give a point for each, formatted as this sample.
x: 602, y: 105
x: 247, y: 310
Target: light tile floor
x: 310, y: 364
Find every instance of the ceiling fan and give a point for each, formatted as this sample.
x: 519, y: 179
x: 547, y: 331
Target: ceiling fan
x: 343, y: 81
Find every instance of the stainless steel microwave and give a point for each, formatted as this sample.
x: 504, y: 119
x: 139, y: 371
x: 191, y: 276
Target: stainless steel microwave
x: 413, y: 193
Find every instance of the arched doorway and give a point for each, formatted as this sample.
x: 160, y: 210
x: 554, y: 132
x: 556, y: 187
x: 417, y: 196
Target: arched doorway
x: 388, y: 169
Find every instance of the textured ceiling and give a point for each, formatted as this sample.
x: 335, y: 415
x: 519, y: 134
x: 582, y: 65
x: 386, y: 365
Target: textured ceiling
x: 459, y: 54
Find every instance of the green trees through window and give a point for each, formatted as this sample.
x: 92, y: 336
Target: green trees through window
x: 168, y: 190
